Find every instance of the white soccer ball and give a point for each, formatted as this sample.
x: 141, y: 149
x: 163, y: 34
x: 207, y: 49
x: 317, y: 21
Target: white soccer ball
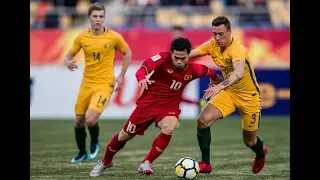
x: 187, y: 168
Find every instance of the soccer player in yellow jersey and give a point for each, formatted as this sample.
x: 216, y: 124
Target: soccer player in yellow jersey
x: 99, y: 45
x: 239, y: 90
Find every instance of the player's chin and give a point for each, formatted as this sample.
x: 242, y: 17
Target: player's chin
x: 180, y: 67
x: 97, y: 26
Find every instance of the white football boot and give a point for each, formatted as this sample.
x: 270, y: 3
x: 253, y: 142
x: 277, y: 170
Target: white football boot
x: 145, y: 168
x: 99, y: 168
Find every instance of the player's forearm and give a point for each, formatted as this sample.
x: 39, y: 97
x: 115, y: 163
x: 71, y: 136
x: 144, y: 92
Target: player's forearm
x: 126, y: 61
x: 141, y: 74
x: 69, y: 56
x: 216, y: 80
x: 234, y: 77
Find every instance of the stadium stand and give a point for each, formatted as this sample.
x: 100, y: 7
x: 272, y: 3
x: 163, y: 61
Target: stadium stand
x: 157, y: 14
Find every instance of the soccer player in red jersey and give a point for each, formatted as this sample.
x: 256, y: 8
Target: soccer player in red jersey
x: 177, y: 31
x: 159, y: 102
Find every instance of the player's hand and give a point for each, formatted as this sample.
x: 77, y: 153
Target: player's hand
x: 71, y: 65
x: 119, y: 82
x: 145, y: 82
x: 212, y: 91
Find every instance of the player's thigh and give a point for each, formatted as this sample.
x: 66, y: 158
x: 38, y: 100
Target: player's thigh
x: 83, y: 100
x: 172, y: 113
x: 167, y: 120
x: 224, y: 103
x: 100, y: 100
x: 138, y: 122
x: 250, y: 112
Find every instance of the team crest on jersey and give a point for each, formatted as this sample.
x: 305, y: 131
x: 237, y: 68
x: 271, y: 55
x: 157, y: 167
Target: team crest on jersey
x: 228, y: 61
x: 156, y: 57
x: 107, y: 46
x: 169, y: 71
x: 187, y: 77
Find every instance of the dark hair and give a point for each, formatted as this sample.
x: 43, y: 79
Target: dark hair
x: 177, y: 27
x: 181, y: 44
x: 222, y: 20
x: 96, y: 7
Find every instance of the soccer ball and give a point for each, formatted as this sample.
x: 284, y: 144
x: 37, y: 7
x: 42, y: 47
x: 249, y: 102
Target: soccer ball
x: 187, y: 168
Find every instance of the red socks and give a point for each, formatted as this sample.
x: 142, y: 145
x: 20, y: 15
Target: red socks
x: 112, y: 148
x: 158, y: 146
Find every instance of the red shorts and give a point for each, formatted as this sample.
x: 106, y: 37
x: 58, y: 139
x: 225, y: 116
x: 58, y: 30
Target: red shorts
x: 141, y: 119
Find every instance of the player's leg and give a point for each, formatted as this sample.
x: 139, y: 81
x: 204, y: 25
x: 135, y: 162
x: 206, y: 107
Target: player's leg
x: 137, y: 123
x: 218, y: 107
x: 97, y: 105
x: 117, y: 142
x: 81, y: 106
x: 167, y: 125
x: 251, y: 115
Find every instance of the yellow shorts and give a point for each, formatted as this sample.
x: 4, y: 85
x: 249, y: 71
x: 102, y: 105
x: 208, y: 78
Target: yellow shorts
x: 250, y: 110
x: 93, y: 97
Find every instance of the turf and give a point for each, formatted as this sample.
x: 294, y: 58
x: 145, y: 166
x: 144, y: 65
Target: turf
x: 53, y: 146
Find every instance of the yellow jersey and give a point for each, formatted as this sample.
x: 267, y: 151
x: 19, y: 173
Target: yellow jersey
x: 247, y: 86
x: 99, y: 54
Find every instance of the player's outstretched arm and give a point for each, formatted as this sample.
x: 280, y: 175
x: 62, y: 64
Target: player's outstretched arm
x: 216, y: 80
x: 236, y: 75
x: 194, y: 54
x: 201, y: 50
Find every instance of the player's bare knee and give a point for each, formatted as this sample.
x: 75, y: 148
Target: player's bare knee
x: 92, y: 117
x: 91, y: 121
x: 80, y: 124
x: 168, y: 128
x: 122, y: 137
x: 249, y: 143
x: 205, y: 121
x: 80, y: 121
x: 249, y: 138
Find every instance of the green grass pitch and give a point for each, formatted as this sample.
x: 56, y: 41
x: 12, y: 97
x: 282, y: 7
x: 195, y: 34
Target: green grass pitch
x: 53, y: 146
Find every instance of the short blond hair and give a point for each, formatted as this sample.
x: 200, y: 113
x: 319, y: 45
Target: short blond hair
x: 96, y: 7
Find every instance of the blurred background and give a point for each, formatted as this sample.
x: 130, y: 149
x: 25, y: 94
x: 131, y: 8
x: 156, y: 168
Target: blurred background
x: 148, y: 26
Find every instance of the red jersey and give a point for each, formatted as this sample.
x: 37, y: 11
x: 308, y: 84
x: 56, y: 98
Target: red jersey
x: 166, y: 91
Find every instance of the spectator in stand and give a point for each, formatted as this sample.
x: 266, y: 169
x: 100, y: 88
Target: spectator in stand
x: 251, y: 19
x: 200, y: 2
x: 172, y: 2
x: 139, y: 12
x: 43, y: 7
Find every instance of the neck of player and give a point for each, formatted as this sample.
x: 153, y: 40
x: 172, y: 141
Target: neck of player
x: 97, y: 32
x: 225, y: 47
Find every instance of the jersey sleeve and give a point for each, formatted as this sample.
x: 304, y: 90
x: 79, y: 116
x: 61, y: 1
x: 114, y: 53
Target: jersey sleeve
x: 204, y: 48
x: 141, y: 74
x: 76, y: 45
x: 238, y: 53
x: 121, y: 45
x: 154, y: 62
x: 203, y: 70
